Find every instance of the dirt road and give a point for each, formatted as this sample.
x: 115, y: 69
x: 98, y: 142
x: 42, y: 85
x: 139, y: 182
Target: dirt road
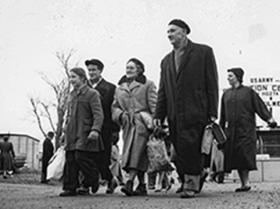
x: 24, y: 196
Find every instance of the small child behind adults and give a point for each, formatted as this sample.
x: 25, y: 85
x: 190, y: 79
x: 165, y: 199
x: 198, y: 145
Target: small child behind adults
x: 115, y: 165
x: 161, y: 179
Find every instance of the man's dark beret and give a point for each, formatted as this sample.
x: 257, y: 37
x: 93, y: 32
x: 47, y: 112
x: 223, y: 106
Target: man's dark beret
x: 97, y: 62
x: 181, y: 24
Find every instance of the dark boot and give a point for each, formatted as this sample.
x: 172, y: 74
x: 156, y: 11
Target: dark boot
x: 68, y: 193
x: 221, y: 177
x: 111, y: 186
x: 83, y: 190
x: 128, y: 188
x: 140, y: 190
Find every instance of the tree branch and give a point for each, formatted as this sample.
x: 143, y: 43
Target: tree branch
x: 61, y: 89
x: 35, y: 111
x: 48, y: 115
x: 65, y: 60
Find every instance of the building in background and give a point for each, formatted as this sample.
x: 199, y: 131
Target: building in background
x: 27, y: 146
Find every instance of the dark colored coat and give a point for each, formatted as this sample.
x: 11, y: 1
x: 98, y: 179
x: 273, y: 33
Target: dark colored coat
x: 47, y: 152
x: 7, y: 153
x: 84, y: 114
x: 188, y: 98
x: 238, y: 109
x: 106, y: 91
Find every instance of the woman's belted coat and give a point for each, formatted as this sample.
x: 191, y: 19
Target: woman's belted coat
x: 129, y: 101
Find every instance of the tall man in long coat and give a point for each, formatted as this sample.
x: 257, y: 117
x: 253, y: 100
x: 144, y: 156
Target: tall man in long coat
x: 48, y: 150
x: 109, y: 128
x: 188, y: 96
x: 238, y: 108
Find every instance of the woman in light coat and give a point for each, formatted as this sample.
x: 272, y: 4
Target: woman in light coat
x: 133, y: 107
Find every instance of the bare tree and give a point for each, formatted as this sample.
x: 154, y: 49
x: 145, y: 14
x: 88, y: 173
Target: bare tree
x: 42, y: 110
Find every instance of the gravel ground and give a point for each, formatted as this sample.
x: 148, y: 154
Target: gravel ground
x: 23, y: 194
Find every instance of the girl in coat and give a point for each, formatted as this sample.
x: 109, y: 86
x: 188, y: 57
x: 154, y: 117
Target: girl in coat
x: 133, y: 107
x: 82, y: 136
x: 8, y: 154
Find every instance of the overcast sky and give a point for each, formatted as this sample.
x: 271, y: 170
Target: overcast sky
x: 241, y: 32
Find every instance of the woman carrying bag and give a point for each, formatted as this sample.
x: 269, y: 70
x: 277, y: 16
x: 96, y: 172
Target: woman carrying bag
x: 134, y: 96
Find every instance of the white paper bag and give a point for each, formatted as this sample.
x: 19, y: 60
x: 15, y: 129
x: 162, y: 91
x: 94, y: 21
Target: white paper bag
x: 56, y: 164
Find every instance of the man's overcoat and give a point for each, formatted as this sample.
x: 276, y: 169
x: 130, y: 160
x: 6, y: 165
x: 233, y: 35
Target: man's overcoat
x: 188, y: 97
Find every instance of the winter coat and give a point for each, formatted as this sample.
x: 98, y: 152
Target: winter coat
x: 188, y: 97
x: 129, y: 101
x: 7, y: 152
x: 48, y: 150
x: 238, y: 109
x: 106, y: 91
x: 84, y: 114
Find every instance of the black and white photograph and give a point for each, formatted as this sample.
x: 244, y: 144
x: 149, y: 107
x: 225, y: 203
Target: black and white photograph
x: 151, y: 104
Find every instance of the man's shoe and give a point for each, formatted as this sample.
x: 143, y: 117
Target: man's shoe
x: 243, y: 189
x: 180, y: 189
x: 112, y: 185
x: 140, y: 190
x: 44, y: 181
x: 187, y: 194
x: 151, y: 187
x: 83, y: 191
x: 68, y: 193
x: 221, y: 178
x: 127, y: 189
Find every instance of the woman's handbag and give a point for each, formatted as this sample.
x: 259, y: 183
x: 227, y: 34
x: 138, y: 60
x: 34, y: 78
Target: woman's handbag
x: 56, y: 164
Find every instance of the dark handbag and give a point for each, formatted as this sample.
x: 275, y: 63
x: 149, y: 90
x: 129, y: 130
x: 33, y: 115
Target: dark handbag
x: 219, y: 134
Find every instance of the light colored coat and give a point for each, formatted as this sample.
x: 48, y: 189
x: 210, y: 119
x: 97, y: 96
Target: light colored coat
x: 129, y: 101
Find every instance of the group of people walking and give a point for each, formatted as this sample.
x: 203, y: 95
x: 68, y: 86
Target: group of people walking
x: 187, y: 98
